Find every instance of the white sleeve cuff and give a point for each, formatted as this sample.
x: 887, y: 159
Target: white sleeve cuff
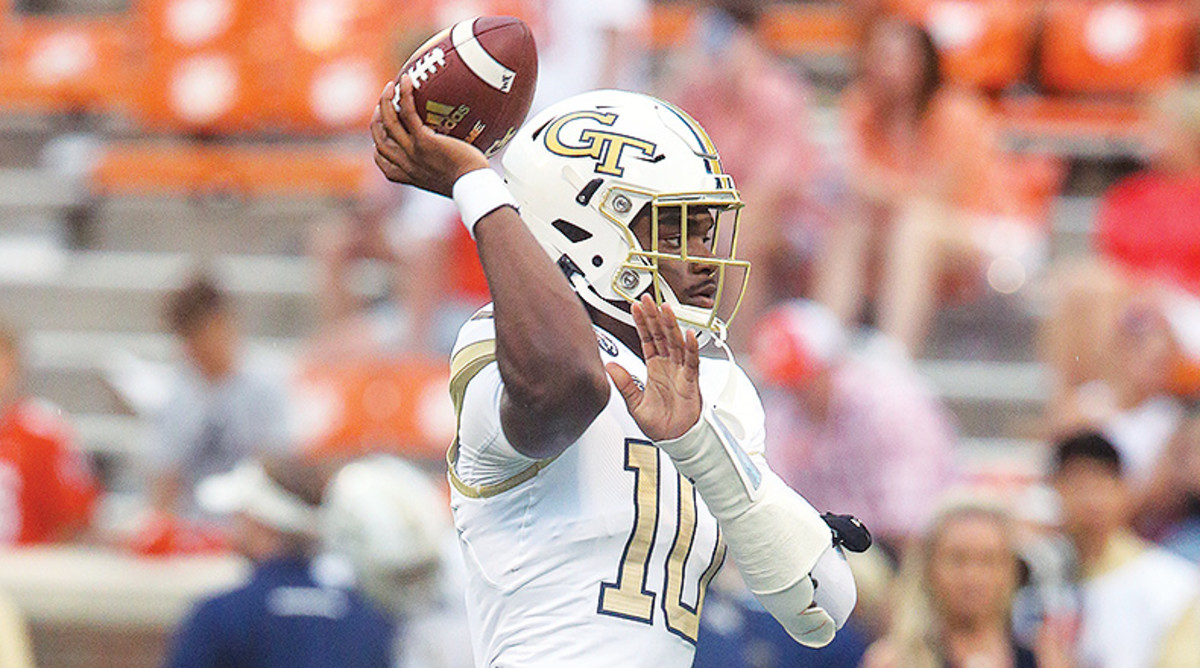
x: 478, y: 193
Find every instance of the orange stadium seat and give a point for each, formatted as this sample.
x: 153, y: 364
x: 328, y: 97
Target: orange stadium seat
x: 1074, y: 126
x: 1114, y: 47
x: 982, y: 43
x: 332, y: 65
x: 670, y: 24
x: 144, y: 168
x: 400, y: 405
x: 55, y: 64
x: 808, y: 29
x: 201, y: 71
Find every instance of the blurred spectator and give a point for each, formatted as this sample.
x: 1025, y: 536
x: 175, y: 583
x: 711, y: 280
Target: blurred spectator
x: 784, y: 177
x: 955, y: 596
x: 221, y: 408
x: 1145, y: 233
x: 1140, y: 603
x: 431, y: 275
x: 583, y: 45
x: 1134, y: 407
x: 47, y: 493
x: 1174, y: 498
x: 16, y: 650
x: 385, y: 517
x: 858, y: 433
x: 291, y: 613
x: 932, y: 204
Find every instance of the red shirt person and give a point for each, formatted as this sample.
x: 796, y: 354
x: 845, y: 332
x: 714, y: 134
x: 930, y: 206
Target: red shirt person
x: 1147, y: 226
x: 47, y: 492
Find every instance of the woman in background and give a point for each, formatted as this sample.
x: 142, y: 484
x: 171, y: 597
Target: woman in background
x: 933, y: 196
x: 953, y: 608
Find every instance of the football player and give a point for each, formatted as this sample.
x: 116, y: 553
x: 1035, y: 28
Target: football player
x: 602, y: 466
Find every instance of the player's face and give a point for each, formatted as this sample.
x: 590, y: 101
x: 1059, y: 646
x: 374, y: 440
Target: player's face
x: 693, y: 282
x: 972, y: 570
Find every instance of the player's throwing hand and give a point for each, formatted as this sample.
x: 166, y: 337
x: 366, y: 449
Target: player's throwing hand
x: 407, y: 151
x: 670, y: 403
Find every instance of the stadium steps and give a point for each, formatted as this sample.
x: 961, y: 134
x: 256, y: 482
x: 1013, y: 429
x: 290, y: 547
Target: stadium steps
x: 23, y: 190
x: 96, y: 290
x: 22, y: 138
x: 990, y: 399
x: 86, y: 349
x: 1015, y: 459
x: 158, y: 224
x: 73, y: 369
x: 108, y: 435
x: 1072, y: 218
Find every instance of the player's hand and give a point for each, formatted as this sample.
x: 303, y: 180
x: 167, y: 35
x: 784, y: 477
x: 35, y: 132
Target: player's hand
x: 407, y: 151
x: 670, y: 403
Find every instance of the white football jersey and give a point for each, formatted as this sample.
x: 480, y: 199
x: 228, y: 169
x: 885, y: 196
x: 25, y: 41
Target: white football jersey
x: 598, y: 557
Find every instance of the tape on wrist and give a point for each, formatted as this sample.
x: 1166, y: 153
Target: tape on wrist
x: 478, y: 193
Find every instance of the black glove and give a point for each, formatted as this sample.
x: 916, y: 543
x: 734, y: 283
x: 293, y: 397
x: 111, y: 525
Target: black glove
x: 848, y: 532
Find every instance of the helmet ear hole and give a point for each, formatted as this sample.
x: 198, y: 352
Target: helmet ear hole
x: 571, y: 231
x: 597, y: 260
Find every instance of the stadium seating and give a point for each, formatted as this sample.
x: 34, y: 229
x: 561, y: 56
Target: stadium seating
x: 1074, y: 127
x: 982, y: 43
x: 1114, y: 47
x: 202, y: 56
x: 250, y: 170
x: 334, y: 54
x: 63, y: 64
x: 371, y: 403
x: 797, y: 30
x: 808, y: 30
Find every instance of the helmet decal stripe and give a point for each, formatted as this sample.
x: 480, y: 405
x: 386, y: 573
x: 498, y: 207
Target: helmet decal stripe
x: 707, y: 147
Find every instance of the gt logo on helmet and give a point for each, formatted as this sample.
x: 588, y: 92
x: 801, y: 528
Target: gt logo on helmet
x: 606, y: 148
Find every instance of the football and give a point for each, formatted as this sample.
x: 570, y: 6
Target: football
x: 475, y: 80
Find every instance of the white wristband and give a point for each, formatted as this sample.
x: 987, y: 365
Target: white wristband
x: 478, y: 193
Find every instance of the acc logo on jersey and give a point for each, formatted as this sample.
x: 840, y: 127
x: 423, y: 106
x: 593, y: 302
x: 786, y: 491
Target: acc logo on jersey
x: 606, y: 344
x: 605, y: 147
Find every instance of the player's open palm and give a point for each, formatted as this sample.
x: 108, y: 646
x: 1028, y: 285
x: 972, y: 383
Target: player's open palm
x: 670, y: 403
x: 407, y: 151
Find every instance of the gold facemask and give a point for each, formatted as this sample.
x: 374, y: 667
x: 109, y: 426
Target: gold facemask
x: 677, y: 213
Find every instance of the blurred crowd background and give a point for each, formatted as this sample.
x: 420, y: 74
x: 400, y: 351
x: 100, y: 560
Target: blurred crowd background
x: 974, y: 318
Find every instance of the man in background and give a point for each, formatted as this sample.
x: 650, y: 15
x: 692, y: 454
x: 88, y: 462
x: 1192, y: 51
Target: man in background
x: 47, y: 492
x: 859, y: 430
x: 1140, y: 604
x: 220, y: 410
x: 291, y: 613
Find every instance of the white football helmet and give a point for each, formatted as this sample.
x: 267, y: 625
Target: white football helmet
x: 584, y: 168
x: 386, y: 518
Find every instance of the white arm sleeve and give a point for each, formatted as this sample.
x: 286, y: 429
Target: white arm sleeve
x: 776, y: 537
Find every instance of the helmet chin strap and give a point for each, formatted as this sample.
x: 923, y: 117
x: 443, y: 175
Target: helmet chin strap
x: 585, y: 291
x: 704, y: 336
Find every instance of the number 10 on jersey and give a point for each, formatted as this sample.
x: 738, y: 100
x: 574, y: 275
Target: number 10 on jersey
x: 629, y: 597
